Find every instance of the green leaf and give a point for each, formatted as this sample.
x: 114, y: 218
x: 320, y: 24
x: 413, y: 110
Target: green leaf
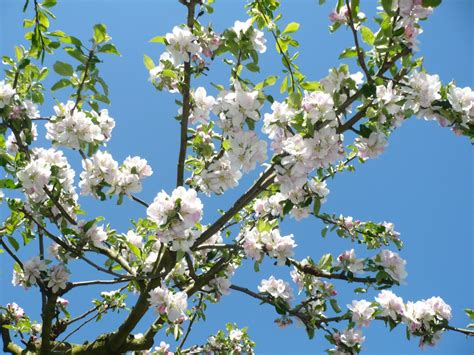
x: 325, y: 262
x: 43, y: 73
x: 49, y: 3
x: 284, y: 85
x: 334, y: 305
x: 63, y: 69
x: 61, y: 84
x: 367, y: 35
x: 348, y: 53
x: 148, y: 62
x: 253, y: 67
x: 269, y: 81
x: 317, y: 206
x: 109, y: 48
x: 100, y: 33
x: 387, y: 6
x: 76, y: 54
x: 158, y: 39
x: 14, y: 243
x: 311, y: 85
x: 324, y: 231
x: 431, y: 3
x: 469, y: 312
x: 291, y: 27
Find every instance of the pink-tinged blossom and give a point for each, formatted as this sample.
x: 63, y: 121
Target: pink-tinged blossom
x: 33, y: 268
x: 348, y: 261
x: 371, y: 147
x: 392, y: 305
x: 95, y: 235
x: 319, y: 188
x: 339, y: 16
x: 219, y: 176
x: 276, y: 245
x: 15, y: 310
x: 62, y: 302
x: 393, y: 264
x: 277, y: 288
x: 247, y: 150
x: 273, y: 122
x: 350, y: 337
x: 318, y: 107
x: 11, y: 143
x: 362, y: 312
x: 420, y: 91
x: 388, y: 98
x: 134, y: 239
x: 173, y: 305
x: 165, y: 207
x: 57, y: 278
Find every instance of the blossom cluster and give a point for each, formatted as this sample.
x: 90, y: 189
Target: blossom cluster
x: 422, y: 318
x: 276, y: 288
x: 256, y: 243
x: 235, y: 340
x: 183, y: 46
x: 318, y: 145
x: 102, y: 170
x: 244, y: 150
x: 176, y: 215
x: 48, y: 169
x: 168, y: 303
x: 35, y: 270
x: 75, y: 128
x: 222, y: 283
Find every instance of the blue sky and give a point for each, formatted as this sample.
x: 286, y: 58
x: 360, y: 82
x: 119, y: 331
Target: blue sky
x: 423, y: 183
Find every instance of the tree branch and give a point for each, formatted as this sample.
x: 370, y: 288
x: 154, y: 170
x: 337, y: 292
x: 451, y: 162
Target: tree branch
x: 191, y: 6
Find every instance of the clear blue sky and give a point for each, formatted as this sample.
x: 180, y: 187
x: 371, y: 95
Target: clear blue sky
x: 423, y: 183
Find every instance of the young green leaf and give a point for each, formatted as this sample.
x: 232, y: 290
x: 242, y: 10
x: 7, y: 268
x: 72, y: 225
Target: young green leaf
x: 291, y: 27
x: 63, y: 69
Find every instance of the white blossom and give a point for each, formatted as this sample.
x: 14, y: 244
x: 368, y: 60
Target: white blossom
x: 202, y: 107
x: 277, y: 288
x: 247, y: 150
x: 180, y: 42
x: 349, y: 261
x: 58, y: 278
x: 174, y: 305
x: 15, y: 310
x: 219, y: 176
x: 371, y: 147
x: 421, y: 90
x: 32, y: 269
x: 393, y: 264
x: 362, y: 312
x: 392, y: 305
x: 6, y: 93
